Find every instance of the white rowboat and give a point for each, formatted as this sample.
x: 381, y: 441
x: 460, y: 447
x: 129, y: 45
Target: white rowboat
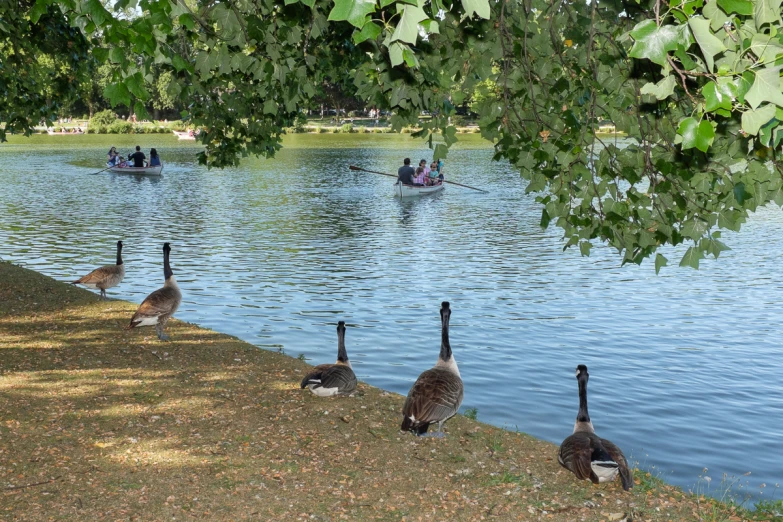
x: 141, y: 171
x: 411, y: 191
x: 186, y: 135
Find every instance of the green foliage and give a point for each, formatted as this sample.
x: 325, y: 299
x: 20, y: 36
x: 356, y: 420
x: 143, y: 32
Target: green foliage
x: 120, y: 127
x: 471, y: 413
x: 104, y: 118
x: 695, y: 85
x: 43, y: 61
x: 347, y: 128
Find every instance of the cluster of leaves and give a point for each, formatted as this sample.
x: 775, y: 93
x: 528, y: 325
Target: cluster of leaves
x: 41, y: 64
x: 694, y: 84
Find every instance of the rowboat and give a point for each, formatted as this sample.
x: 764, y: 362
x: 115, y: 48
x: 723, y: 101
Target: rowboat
x: 186, y: 135
x: 140, y: 171
x: 411, y: 191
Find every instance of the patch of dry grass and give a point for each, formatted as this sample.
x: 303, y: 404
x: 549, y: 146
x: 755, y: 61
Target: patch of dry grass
x: 98, y: 423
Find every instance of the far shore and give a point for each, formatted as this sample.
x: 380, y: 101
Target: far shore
x: 99, y: 423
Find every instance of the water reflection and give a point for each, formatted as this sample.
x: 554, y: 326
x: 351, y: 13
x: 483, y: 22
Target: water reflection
x: 277, y: 251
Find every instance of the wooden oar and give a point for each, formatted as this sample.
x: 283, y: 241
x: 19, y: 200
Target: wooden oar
x: 393, y: 176
x: 104, y: 170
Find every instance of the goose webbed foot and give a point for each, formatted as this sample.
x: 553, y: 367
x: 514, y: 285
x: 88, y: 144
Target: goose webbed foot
x: 162, y: 336
x: 434, y: 435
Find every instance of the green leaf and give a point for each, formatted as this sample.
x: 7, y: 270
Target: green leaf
x: 741, y: 7
x: 354, y: 11
x: 40, y: 7
x: 695, y: 134
x: 395, y: 53
x: 270, y: 107
x: 654, y: 43
x: 660, y: 261
x: 186, y: 20
x: 766, y: 87
x: 766, y: 11
x: 739, y: 193
x: 708, y: 43
x: 743, y: 84
x: 545, y: 219
x: 140, y: 111
x: 752, y: 120
x: 410, y: 58
x: 117, y: 55
x: 584, y: 248
x: 718, y: 96
x: 441, y: 151
x: 135, y: 84
x: 766, y: 47
x: 370, y: 31
x: 179, y: 63
x: 661, y: 90
x: 407, y: 29
x: 479, y: 7
x: 691, y: 258
x: 714, y: 14
x: 117, y: 93
x: 431, y: 26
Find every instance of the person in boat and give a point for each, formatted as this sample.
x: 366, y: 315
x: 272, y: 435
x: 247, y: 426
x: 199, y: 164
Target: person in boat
x: 406, y: 173
x: 433, y: 174
x: 111, y: 157
x: 421, y: 179
x: 154, y: 158
x: 138, y: 158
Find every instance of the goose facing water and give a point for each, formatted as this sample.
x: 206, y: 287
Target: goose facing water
x: 585, y: 454
x: 437, y: 394
x: 158, y: 307
x: 329, y: 380
x: 105, y: 277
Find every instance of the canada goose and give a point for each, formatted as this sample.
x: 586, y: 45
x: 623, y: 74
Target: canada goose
x: 586, y: 454
x: 437, y: 393
x: 105, y: 277
x: 328, y: 380
x: 158, y: 307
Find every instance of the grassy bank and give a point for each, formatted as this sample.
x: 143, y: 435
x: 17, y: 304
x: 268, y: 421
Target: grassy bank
x: 98, y: 423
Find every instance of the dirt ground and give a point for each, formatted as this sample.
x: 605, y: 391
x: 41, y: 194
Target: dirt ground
x: 99, y: 423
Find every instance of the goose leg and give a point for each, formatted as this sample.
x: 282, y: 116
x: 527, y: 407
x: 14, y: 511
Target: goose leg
x: 436, y: 434
x: 103, y: 294
x: 159, y: 331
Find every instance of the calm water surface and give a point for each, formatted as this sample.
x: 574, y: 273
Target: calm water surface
x: 685, y: 367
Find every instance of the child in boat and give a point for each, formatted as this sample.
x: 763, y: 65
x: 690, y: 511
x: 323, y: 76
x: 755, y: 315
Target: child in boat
x: 154, y: 158
x: 433, y: 174
x: 419, y: 180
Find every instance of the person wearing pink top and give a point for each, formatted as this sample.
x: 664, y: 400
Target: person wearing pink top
x: 420, y: 178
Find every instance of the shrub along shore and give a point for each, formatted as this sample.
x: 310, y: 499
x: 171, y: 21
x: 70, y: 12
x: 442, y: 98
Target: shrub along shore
x: 99, y: 423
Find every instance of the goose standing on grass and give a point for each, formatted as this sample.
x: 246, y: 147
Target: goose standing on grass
x: 105, y: 277
x: 437, y: 393
x: 328, y: 380
x: 158, y: 307
x: 586, y: 454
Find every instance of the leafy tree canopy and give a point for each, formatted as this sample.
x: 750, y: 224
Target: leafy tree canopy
x: 696, y: 85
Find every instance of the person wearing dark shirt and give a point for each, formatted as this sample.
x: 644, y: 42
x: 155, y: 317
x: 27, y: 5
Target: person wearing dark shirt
x: 405, y: 173
x: 138, y: 158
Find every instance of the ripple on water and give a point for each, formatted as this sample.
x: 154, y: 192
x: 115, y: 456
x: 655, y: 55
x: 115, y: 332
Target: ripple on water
x: 685, y: 366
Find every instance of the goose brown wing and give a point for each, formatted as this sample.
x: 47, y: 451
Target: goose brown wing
x: 435, y: 396
x: 339, y: 376
x: 98, y: 275
x: 626, y: 475
x: 576, y: 456
x: 163, y: 301
x: 315, y: 374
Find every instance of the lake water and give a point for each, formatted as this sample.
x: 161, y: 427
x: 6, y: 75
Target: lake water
x: 686, y: 367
